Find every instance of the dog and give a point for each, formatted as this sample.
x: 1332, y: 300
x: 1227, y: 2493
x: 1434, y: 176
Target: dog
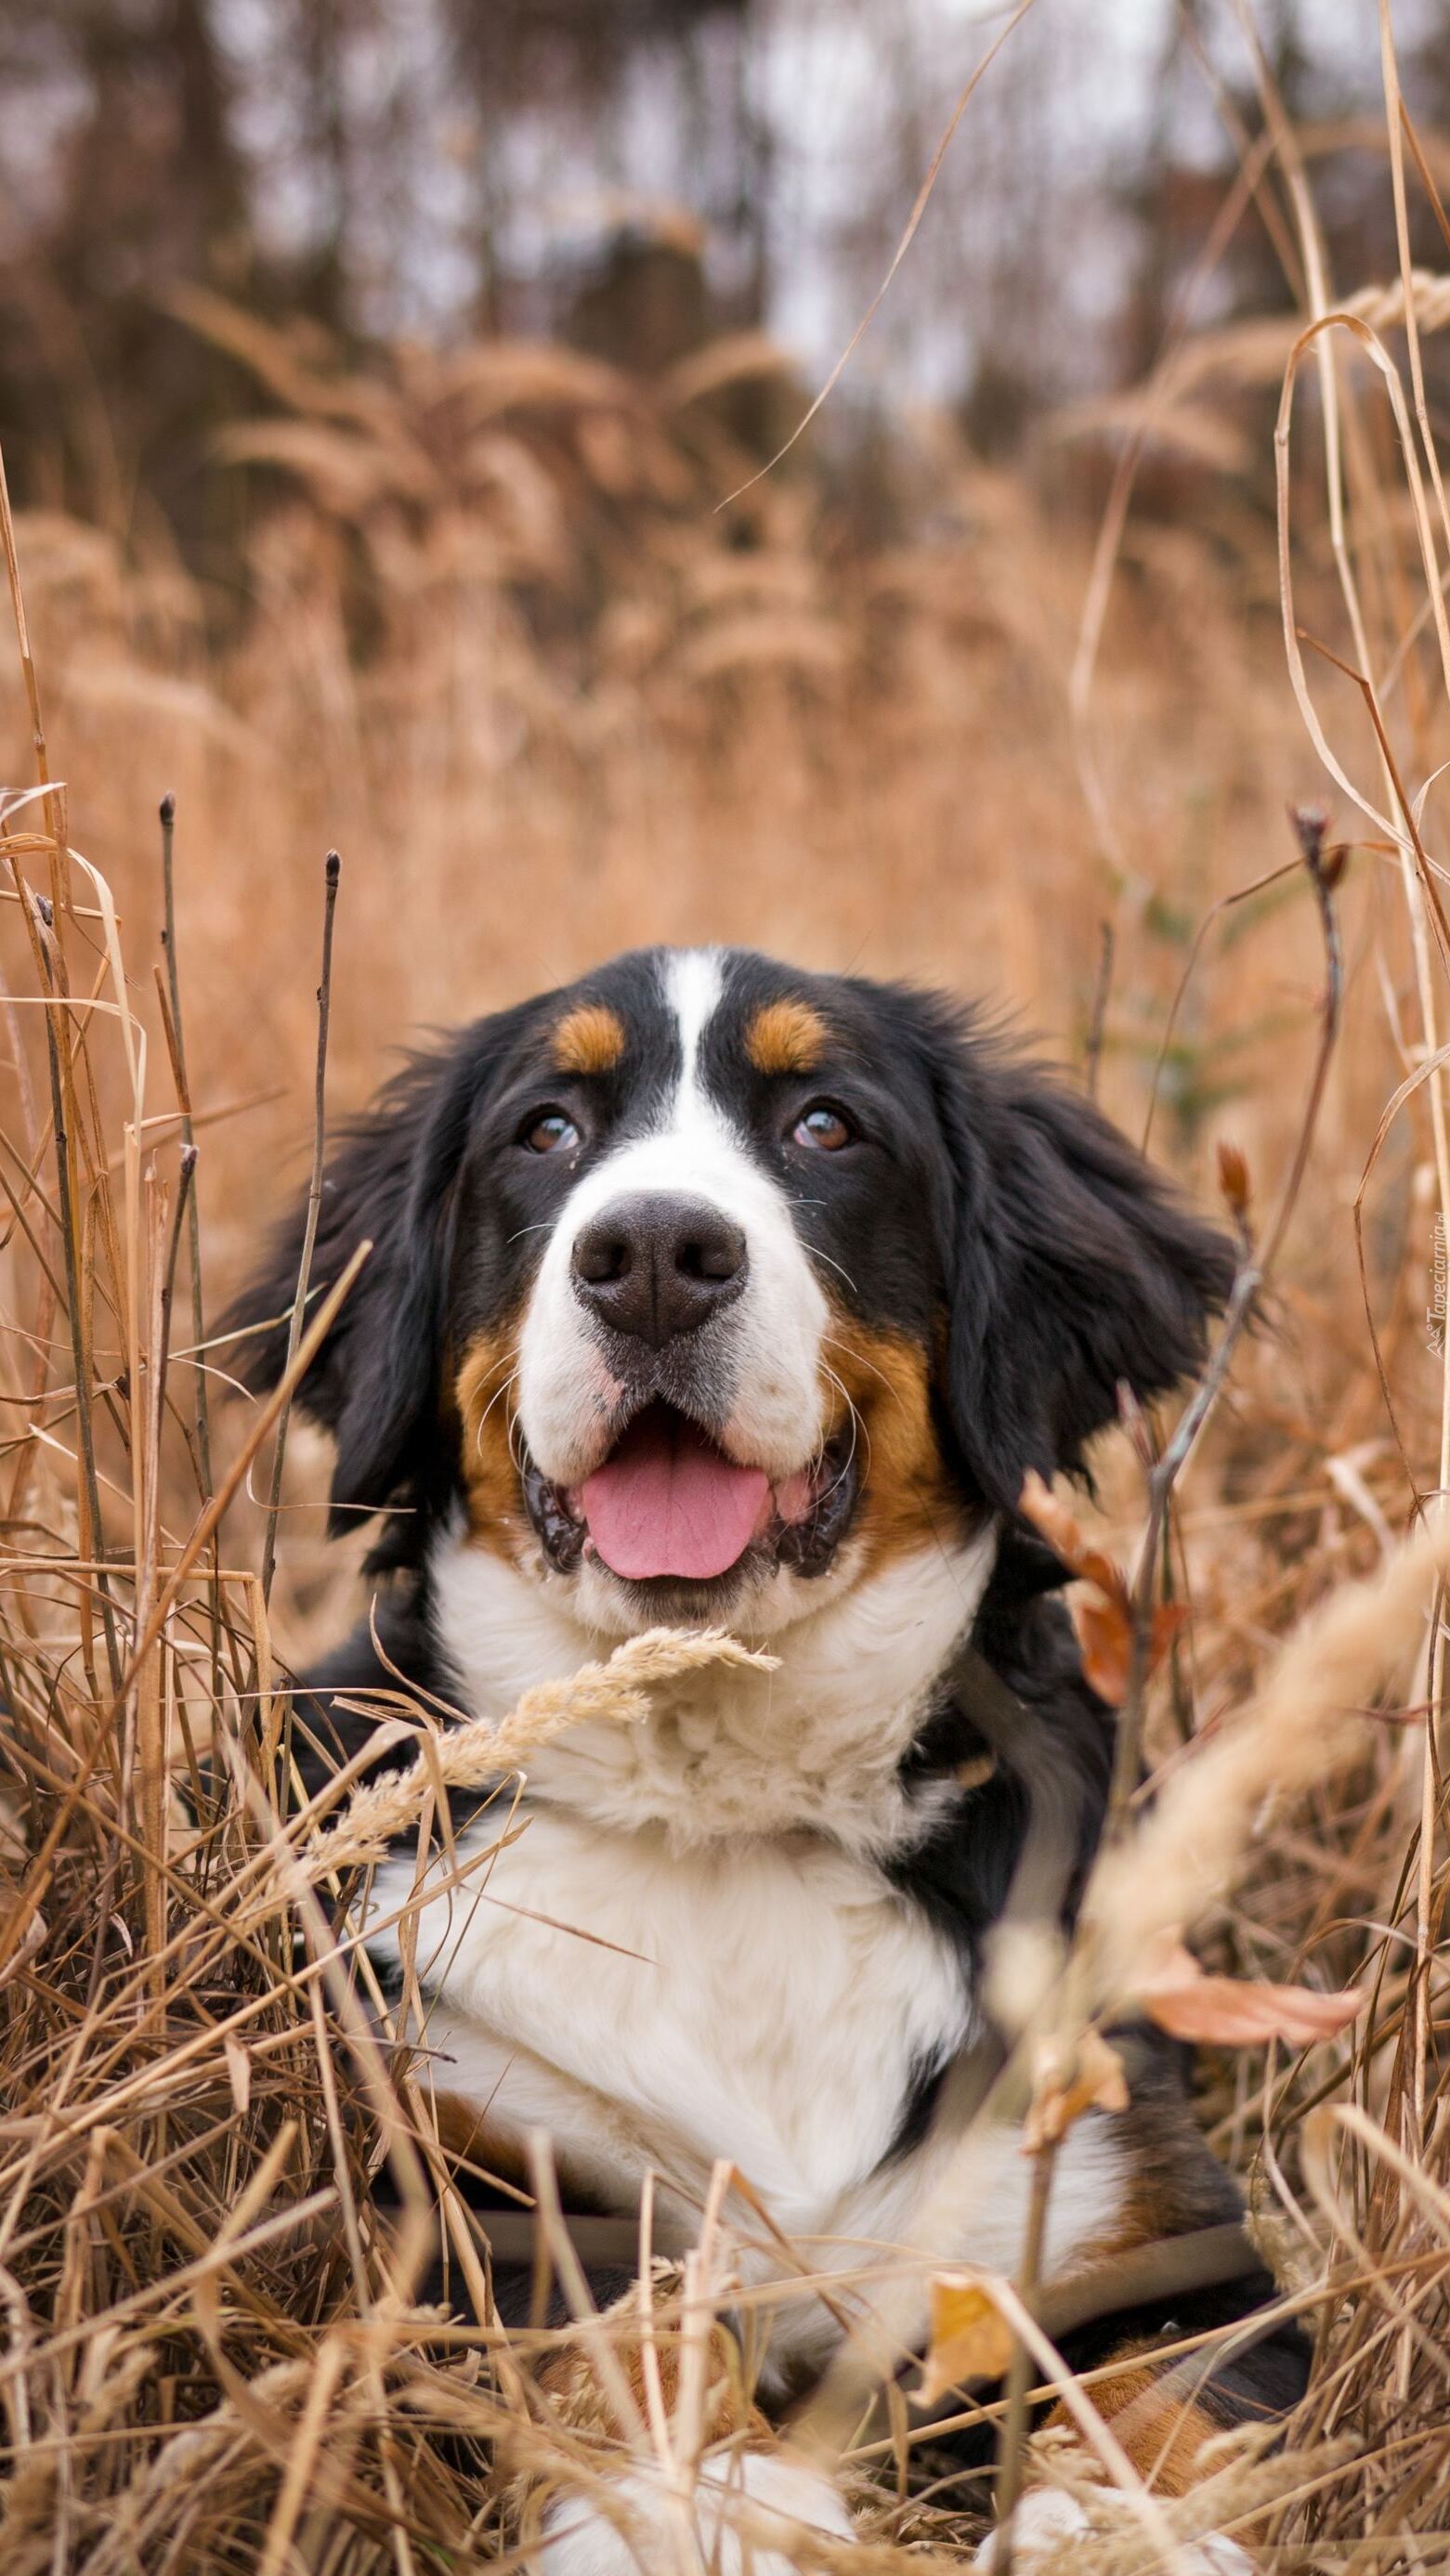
x: 708, y: 1293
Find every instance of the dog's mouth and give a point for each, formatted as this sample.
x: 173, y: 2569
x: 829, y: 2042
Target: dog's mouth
x: 668, y: 1505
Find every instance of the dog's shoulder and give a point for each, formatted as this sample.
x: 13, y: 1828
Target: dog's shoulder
x: 341, y: 1701
x: 1017, y: 1743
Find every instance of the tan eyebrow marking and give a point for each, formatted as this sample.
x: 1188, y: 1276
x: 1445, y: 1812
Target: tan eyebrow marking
x: 588, y: 1039
x: 786, y: 1037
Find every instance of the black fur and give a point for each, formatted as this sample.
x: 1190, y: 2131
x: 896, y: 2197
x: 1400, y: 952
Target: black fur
x: 364, y: 1671
x: 1072, y: 1267
x: 1059, y: 1752
x: 376, y: 1383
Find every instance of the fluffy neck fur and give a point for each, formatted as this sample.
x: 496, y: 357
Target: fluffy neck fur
x: 814, y: 1746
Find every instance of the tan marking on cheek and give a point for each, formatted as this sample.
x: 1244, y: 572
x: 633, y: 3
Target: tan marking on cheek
x: 484, y: 1393
x: 885, y: 1378
x: 786, y: 1037
x: 589, y: 1039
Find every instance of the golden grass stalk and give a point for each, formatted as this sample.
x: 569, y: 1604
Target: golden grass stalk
x: 479, y: 1753
x: 1309, y: 1717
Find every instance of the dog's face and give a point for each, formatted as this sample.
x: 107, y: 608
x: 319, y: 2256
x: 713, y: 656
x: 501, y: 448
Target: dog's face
x: 692, y: 1303
x: 703, y: 1285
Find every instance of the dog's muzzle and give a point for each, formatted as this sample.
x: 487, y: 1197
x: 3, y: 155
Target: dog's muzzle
x: 655, y: 1267
x: 668, y: 1505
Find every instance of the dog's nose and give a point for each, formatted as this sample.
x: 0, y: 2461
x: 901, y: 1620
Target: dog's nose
x: 657, y: 1266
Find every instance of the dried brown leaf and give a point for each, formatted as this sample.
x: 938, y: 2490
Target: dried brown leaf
x: 1104, y: 1626
x: 969, y: 2337
x: 1105, y: 1635
x: 1054, y: 1522
x: 1091, y: 2079
x: 1233, y: 1180
x: 1239, y: 2012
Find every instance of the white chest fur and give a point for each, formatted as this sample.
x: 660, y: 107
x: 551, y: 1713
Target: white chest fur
x: 688, y: 1950
x: 767, y: 2001
x: 815, y: 1744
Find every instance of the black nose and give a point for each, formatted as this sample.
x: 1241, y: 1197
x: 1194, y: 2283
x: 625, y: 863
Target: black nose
x: 657, y: 1266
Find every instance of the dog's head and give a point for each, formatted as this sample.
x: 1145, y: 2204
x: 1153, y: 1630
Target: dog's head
x: 704, y: 1284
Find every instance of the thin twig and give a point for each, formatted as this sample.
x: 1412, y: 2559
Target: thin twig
x: 50, y: 959
x: 176, y: 1041
x: 314, y: 1210
x: 1020, y: 2373
x: 1255, y: 1265
x: 1098, y: 1022
x: 151, y: 1729
x: 13, y: 1927
x: 912, y: 226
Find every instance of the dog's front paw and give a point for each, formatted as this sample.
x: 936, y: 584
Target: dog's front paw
x: 748, y: 2516
x: 1047, y: 2518
x: 1043, y: 2520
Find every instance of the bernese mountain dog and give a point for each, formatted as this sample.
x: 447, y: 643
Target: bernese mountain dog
x: 706, y: 1292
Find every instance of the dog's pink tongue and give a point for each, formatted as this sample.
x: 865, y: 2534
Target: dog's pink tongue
x: 669, y: 1502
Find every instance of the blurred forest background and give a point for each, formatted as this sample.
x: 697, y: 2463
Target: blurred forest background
x: 388, y: 386
x: 633, y: 177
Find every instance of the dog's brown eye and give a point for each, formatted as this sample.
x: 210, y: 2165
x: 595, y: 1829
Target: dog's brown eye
x: 822, y: 1128
x: 551, y: 1131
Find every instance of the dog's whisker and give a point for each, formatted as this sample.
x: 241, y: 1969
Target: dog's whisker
x: 498, y: 1396
x: 818, y: 1255
x: 505, y: 1360
x: 858, y: 1431
x: 835, y: 1342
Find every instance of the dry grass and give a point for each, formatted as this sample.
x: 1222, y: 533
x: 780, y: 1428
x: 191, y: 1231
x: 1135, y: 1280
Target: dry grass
x: 496, y: 648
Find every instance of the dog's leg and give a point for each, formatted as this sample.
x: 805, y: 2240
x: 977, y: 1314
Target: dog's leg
x: 1047, y: 2519
x: 754, y: 2508
x: 1167, y: 2412
x: 1164, y: 2418
x: 752, y: 2513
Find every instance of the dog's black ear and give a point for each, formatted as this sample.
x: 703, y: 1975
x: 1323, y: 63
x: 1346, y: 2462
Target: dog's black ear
x: 1069, y: 1264
x: 374, y: 1384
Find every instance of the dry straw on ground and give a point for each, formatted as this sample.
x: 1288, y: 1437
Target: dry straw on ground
x: 499, y: 650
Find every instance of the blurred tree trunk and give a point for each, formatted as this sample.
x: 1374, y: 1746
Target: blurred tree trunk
x: 149, y: 190
x: 322, y: 288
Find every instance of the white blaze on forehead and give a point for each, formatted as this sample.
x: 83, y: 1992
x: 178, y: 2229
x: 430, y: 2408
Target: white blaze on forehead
x: 694, y: 982
x: 775, y: 1328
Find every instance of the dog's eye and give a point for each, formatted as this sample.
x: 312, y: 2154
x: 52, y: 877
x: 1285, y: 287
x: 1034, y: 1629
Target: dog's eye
x: 823, y: 1129
x: 547, y: 1134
